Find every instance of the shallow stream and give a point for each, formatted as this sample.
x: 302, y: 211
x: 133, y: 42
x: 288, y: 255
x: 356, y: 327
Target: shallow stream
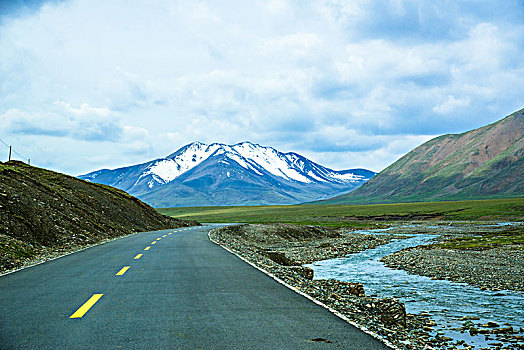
x: 446, y: 302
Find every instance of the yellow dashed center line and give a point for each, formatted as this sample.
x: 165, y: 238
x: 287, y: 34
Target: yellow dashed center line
x: 87, y: 305
x: 123, y: 270
x: 94, y: 299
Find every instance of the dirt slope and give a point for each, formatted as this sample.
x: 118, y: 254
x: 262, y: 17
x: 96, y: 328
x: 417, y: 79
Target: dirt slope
x: 44, y: 212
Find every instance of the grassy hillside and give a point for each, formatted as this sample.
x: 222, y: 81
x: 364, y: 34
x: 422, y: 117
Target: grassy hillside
x: 357, y: 215
x: 43, y: 211
x: 483, y: 163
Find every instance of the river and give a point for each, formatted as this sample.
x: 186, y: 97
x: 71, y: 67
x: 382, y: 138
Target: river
x: 447, y: 302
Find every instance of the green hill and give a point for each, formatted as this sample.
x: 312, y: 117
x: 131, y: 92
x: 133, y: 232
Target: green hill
x: 483, y: 163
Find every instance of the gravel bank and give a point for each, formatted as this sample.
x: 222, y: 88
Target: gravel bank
x: 469, y: 253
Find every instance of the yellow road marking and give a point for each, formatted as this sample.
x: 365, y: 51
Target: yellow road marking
x: 138, y: 256
x: 154, y: 242
x: 147, y: 248
x: 87, y: 305
x: 158, y: 239
x: 164, y: 236
x: 170, y: 233
x: 123, y: 270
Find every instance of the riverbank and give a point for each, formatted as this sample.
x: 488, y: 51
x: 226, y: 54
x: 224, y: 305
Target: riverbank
x: 280, y: 250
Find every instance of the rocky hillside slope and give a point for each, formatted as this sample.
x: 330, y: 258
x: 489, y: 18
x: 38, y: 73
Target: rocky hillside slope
x: 47, y: 213
x: 483, y: 163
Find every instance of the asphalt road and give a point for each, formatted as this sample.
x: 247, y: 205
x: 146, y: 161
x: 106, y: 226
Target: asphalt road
x: 184, y: 292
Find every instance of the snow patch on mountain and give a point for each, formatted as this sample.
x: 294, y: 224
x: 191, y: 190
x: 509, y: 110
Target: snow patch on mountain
x: 314, y: 176
x: 269, y: 159
x: 252, y: 157
x: 166, y: 169
x: 347, y: 177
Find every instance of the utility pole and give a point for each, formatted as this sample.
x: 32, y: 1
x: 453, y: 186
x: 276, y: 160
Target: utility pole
x: 9, y: 153
x: 28, y: 161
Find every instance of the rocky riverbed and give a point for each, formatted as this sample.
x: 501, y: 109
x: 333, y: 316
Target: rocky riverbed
x: 280, y: 250
x: 293, y: 245
x: 493, y: 269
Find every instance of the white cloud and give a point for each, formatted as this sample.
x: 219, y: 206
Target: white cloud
x: 451, y: 104
x: 341, y: 80
x: 297, y: 44
x: 277, y: 7
x: 84, y: 109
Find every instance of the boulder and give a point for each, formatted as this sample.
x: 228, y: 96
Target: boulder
x: 390, y: 311
x: 302, y: 271
x: 279, y: 258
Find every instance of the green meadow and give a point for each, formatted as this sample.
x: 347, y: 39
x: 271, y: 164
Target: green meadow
x: 511, y: 209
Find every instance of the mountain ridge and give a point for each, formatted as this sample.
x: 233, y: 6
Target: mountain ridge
x: 241, y: 174
x: 487, y: 162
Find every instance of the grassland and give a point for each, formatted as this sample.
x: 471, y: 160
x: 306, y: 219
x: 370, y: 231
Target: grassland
x: 513, y: 236
x: 357, y: 215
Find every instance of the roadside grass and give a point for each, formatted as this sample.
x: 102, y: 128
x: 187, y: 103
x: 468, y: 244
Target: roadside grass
x: 13, y: 252
x: 511, y: 209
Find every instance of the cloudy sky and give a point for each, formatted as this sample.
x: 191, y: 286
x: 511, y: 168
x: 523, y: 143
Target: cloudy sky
x: 90, y: 84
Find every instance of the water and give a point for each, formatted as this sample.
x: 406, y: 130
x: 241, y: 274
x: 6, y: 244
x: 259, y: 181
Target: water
x: 446, y: 301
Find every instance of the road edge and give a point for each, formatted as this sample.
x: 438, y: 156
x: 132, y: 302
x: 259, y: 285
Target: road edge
x: 307, y: 296
x: 36, y: 263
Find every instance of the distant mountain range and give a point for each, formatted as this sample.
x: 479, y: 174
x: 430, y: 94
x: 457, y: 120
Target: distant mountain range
x: 483, y: 163
x: 217, y: 174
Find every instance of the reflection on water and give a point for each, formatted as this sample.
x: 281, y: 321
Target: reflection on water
x: 446, y: 301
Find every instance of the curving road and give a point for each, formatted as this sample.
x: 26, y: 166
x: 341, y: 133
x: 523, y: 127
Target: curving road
x: 183, y: 292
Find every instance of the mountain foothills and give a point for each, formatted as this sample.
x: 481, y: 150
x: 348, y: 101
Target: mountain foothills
x: 217, y: 174
x: 483, y: 163
x: 43, y: 213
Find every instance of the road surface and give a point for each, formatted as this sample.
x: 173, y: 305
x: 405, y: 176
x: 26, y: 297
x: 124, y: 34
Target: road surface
x: 171, y: 289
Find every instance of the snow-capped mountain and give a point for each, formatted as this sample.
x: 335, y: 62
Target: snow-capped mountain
x: 219, y: 174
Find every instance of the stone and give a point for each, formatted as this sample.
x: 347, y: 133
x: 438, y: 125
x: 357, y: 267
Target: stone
x: 468, y: 324
x: 465, y: 318
x: 491, y: 324
x: 495, y: 344
x: 279, y: 258
x: 303, y: 271
x: 504, y: 330
x: 391, y: 311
